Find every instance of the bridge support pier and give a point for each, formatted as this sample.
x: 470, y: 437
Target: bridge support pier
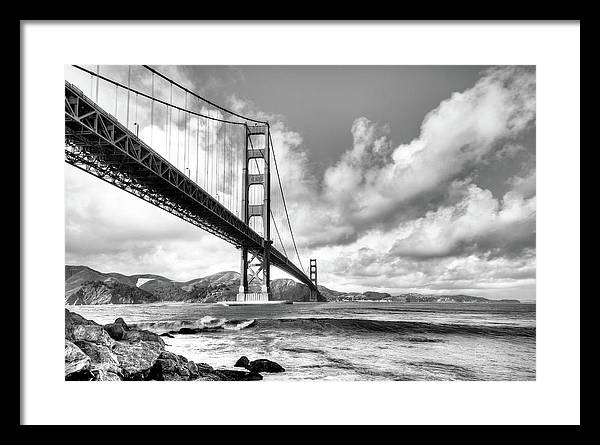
x: 313, y: 277
x: 255, y: 284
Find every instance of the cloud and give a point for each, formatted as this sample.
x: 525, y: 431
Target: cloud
x: 478, y: 223
x: 509, y: 151
x: 376, y: 185
x: 372, y: 184
x: 111, y: 230
x: 524, y: 185
x: 396, y: 217
x: 410, y: 216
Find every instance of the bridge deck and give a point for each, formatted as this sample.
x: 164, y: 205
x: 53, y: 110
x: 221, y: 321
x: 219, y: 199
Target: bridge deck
x: 98, y: 144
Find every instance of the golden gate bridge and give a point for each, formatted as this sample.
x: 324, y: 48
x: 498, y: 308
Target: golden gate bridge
x: 207, y: 165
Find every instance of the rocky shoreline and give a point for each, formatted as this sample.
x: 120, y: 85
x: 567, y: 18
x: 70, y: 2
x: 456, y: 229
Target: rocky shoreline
x: 116, y: 351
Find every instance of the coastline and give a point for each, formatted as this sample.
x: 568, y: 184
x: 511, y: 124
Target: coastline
x: 117, y: 351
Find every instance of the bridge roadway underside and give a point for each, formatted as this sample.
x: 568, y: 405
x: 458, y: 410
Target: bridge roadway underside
x: 99, y: 145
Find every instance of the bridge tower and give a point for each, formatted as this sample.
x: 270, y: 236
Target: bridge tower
x: 256, y: 209
x: 313, y: 278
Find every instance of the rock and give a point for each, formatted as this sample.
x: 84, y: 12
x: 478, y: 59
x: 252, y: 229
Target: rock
x: 102, y: 358
x: 193, y: 368
x: 166, y: 334
x: 83, y: 375
x: 204, y: 367
x: 210, y: 376
x: 117, y: 351
x: 90, y: 333
x: 260, y: 365
x: 169, y: 366
x: 115, y: 330
x: 189, y: 330
x: 72, y: 320
x: 76, y: 361
x: 136, y: 359
x: 264, y: 365
x: 121, y: 322
x: 242, y: 362
x: 106, y: 376
x: 135, y: 335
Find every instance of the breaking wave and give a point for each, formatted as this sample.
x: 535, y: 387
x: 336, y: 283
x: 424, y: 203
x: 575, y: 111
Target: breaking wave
x: 415, y: 331
x: 203, y: 324
x: 400, y: 327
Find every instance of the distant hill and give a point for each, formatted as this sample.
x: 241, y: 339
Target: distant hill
x: 286, y: 289
x: 84, y: 285
x: 415, y: 298
x: 328, y: 293
x: 418, y: 298
x: 109, y: 291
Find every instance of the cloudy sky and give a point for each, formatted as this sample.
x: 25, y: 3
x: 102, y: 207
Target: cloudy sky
x: 398, y: 179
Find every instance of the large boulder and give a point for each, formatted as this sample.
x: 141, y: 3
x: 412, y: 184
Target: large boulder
x: 76, y: 361
x: 169, y: 366
x: 103, y: 360
x: 204, y: 367
x: 91, y: 334
x: 136, y: 358
x: 72, y: 320
x: 242, y: 362
x: 121, y: 322
x: 264, y: 365
x: 116, y: 331
x: 136, y: 335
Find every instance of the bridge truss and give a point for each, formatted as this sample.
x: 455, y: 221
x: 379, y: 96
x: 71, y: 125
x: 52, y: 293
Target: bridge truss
x: 96, y: 142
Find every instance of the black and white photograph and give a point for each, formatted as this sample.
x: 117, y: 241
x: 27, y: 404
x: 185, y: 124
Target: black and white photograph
x: 259, y: 240
x: 233, y: 225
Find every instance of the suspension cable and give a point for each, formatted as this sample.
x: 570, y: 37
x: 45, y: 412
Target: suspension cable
x: 202, y: 98
x: 120, y: 85
x: 283, y: 199
x: 172, y: 82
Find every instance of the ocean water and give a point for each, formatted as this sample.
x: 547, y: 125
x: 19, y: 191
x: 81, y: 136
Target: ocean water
x: 351, y: 340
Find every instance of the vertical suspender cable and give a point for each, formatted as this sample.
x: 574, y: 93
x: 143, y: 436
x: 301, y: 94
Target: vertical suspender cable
x: 166, y: 134
x: 152, y: 112
x: 206, y: 154
x: 128, y: 95
x: 185, y: 137
x: 137, y: 125
x: 197, y: 147
x: 97, y: 81
x: 170, y: 117
x: 224, y: 126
